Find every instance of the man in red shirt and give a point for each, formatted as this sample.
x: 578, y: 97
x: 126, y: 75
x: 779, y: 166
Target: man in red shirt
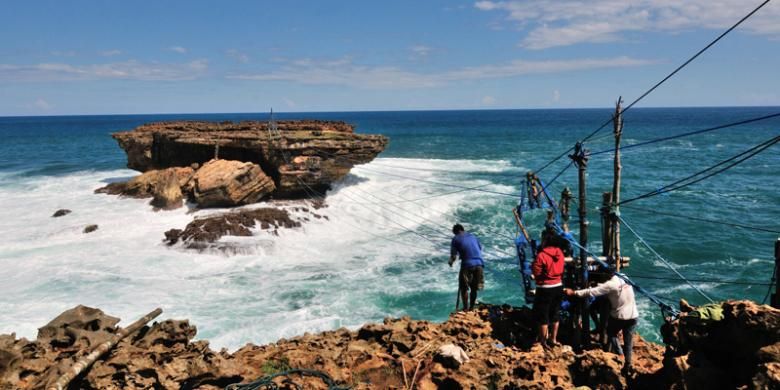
x: 548, y: 272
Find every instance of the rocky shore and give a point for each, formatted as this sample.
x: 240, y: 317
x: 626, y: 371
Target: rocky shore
x: 228, y: 164
x: 740, y: 351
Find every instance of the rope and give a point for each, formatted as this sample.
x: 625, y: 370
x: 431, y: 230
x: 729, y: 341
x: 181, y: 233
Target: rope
x: 769, y: 290
x: 737, y: 159
x: 267, y: 382
x: 760, y: 229
x: 718, y: 281
x: 663, y: 260
x: 612, y: 150
x: 309, y: 192
x: 665, y: 307
x: 658, y: 84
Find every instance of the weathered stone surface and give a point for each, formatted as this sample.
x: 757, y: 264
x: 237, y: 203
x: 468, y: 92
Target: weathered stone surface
x: 220, y: 183
x: 167, y: 193
x: 164, y: 356
x: 303, y: 156
x: 60, y: 213
x: 736, y: 351
x: 202, y: 231
x: 156, y: 184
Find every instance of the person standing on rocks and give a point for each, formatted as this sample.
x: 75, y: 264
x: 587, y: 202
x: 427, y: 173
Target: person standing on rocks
x: 548, y: 274
x: 622, y: 315
x: 471, y: 277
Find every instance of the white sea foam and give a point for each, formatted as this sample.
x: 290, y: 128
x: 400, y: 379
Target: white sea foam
x: 331, y: 272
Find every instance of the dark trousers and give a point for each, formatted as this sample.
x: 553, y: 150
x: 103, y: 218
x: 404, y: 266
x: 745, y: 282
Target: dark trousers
x: 614, y: 326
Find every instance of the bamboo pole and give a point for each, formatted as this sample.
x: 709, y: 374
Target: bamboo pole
x: 615, y: 225
x: 85, y: 362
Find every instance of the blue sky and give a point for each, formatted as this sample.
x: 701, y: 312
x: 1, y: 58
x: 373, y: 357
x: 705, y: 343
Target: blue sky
x: 115, y: 57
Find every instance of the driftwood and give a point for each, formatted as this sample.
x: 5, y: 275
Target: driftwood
x: 85, y: 362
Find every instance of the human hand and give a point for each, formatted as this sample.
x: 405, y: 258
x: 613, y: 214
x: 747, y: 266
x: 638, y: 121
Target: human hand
x: 569, y: 292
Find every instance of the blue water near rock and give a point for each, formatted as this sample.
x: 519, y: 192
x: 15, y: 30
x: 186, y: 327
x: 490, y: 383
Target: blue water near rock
x: 383, y: 249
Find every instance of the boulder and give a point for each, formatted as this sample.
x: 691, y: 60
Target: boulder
x: 90, y: 228
x: 220, y: 183
x: 167, y: 193
x: 203, y: 231
x: 60, y: 213
x: 150, y: 183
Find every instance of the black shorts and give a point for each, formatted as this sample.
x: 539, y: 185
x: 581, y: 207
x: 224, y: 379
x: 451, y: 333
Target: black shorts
x: 471, y: 278
x: 547, y: 304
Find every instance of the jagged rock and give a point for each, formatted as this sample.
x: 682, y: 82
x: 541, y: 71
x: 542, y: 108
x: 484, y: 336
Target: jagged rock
x: 81, y: 327
x: 304, y: 155
x: 60, y: 213
x: 230, y: 183
x: 149, y: 183
x: 90, y: 228
x: 164, y: 356
x: 167, y: 193
x: 202, y: 231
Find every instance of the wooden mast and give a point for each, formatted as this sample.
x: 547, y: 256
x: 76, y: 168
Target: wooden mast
x: 614, y: 246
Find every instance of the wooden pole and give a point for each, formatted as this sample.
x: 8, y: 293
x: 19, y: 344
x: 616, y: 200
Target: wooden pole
x: 565, y: 206
x: 85, y: 362
x: 615, y: 225
x: 582, y: 320
x: 606, y: 224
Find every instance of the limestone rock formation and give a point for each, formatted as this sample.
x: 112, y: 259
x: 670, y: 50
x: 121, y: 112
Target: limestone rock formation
x: 163, y: 185
x: 398, y: 353
x: 300, y: 156
x: 220, y: 183
x: 202, y: 231
x: 739, y: 350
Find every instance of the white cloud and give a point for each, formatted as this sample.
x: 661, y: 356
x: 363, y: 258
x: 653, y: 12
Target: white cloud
x: 343, y: 72
x: 41, y: 105
x: 110, y: 53
x: 178, y: 49
x: 556, y: 96
x: 488, y: 100
x: 552, y: 23
x: 289, y: 102
x: 237, y: 55
x: 421, y: 50
x: 127, y: 70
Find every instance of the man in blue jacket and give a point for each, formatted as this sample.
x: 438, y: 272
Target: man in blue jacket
x: 471, y: 276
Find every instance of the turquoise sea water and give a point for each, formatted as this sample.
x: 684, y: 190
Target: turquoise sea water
x: 383, y: 250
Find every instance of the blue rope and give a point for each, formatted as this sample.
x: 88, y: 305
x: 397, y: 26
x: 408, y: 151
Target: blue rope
x: 665, y: 308
x: 663, y: 260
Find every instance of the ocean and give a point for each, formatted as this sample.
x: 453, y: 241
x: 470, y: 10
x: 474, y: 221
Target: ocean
x: 383, y: 250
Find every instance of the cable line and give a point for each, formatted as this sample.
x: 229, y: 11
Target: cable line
x: 663, y: 260
x: 612, y: 150
x: 658, y: 84
x: 735, y: 282
x: 760, y: 229
x: 737, y: 159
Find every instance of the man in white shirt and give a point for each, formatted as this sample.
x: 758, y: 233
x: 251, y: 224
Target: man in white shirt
x: 622, y: 315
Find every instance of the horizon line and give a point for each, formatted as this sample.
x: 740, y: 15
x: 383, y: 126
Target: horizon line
x: 377, y: 111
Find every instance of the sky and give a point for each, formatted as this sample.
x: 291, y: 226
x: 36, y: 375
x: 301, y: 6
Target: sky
x: 133, y: 57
